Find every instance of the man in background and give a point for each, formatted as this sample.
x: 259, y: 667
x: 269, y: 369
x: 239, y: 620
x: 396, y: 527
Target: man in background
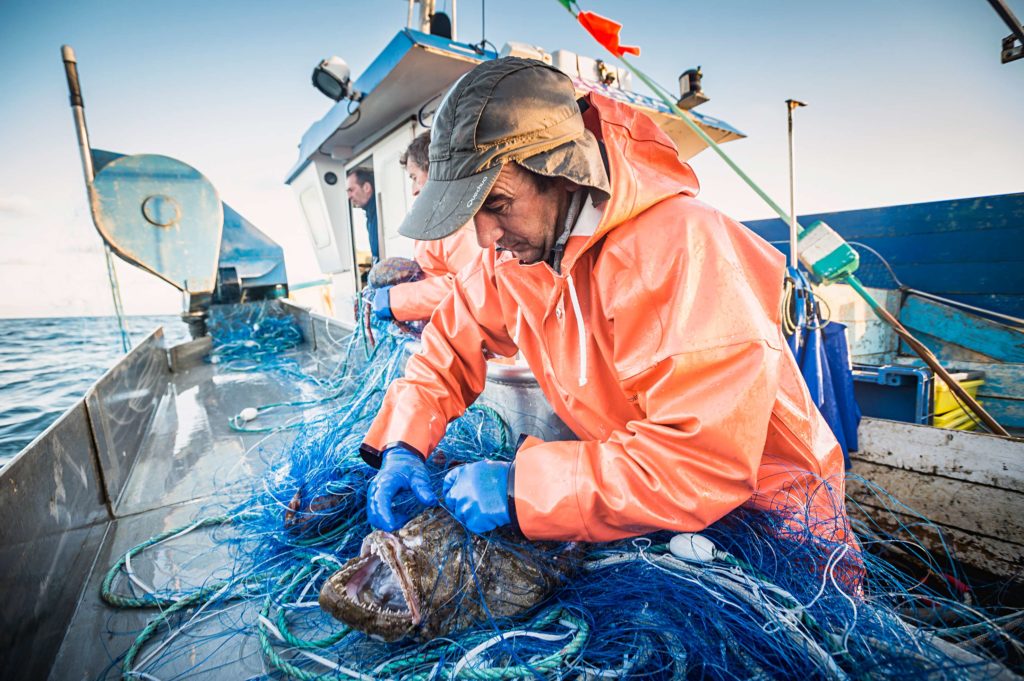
x: 361, y: 194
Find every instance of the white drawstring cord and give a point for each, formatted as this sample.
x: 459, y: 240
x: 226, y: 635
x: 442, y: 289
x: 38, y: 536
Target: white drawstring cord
x: 580, y: 331
x: 519, y: 321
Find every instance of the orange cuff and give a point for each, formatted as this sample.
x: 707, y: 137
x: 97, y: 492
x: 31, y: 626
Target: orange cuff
x: 544, y: 491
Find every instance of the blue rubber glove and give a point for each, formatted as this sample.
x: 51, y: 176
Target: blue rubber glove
x: 477, y: 494
x: 401, y: 472
x: 381, y: 304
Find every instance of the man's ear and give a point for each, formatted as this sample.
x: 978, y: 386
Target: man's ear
x: 568, y: 185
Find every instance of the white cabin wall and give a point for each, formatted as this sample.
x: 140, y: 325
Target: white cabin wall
x: 325, y: 207
x: 394, y: 192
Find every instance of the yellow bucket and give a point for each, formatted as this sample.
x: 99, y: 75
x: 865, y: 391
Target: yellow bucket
x: 944, y: 400
x: 956, y: 419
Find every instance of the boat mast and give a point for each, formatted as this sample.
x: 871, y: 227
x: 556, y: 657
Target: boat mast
x: 427, y: 10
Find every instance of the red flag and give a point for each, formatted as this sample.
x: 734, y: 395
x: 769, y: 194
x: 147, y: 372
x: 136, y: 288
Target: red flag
x: 606, y: 32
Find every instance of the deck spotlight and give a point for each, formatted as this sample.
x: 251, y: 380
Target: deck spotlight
x: 690, y: 92
x: 333, y: 78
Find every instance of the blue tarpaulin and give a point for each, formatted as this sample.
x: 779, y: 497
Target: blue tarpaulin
x: 821, y: 353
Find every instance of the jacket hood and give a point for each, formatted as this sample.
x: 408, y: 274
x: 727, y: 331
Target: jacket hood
x: 625, y: 134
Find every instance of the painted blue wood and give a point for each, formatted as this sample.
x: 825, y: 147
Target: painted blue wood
x: 988, y: 338
x: 973, y: 278
x: 1002, y: 393
x: 1007, y: 413
x: 1002, y: 379
x: 971, y: 249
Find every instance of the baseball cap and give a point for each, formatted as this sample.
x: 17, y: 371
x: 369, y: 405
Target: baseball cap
x: 509, y: 109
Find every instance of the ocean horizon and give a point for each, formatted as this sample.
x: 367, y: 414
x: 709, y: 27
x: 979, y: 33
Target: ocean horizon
x: 48, y: 363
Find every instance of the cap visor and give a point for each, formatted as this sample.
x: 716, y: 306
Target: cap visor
x: 444, y: 206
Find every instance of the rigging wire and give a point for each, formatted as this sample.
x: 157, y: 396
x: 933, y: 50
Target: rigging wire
x: 115, y: 292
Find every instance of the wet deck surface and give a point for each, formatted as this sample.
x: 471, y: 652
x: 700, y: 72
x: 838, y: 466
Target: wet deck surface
x: 192, y: 465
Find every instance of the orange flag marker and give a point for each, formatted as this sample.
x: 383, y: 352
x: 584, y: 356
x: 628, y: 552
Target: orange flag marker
x: 606, y: 32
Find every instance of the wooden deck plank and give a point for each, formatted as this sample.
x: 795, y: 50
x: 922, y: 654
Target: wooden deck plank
x: 967, y: 506
x: 970, y: 456
x: 1000, y: 558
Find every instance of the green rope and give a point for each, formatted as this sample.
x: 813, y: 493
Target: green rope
x: 267, y: 646
x: 550, y: 663
x: 197, y: 597
x: 401, y: 667
x: 282, y: 620
x: 149, y: 600
x: 505, y: 435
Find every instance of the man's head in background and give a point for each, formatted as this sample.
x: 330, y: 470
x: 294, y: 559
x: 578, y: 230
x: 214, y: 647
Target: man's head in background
x: 360, y: 187
x: 416, y: 161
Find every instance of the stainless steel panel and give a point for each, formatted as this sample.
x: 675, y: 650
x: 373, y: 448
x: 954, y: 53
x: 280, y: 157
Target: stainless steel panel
x: 98, y: 634
x: 513, y: 392
x: 54, y: 517
x: 302, y: 317
x: 190, y: 451
x: 121, y: 406
x: 189, y: 354
x: 53, y: 484
x: 41, y: 585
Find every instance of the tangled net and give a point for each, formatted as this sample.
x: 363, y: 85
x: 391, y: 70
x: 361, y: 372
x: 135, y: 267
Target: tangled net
x: 754, y: 596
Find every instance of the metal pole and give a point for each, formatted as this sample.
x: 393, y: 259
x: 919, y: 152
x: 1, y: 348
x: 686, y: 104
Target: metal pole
x: 85, y: 151
x: 455, y: 14
x: 78, y: 111
x: 426, y: 11
x: 793, y: 235
x: 1006, y: 14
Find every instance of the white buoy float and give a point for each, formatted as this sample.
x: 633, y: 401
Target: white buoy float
x: 695, y: 548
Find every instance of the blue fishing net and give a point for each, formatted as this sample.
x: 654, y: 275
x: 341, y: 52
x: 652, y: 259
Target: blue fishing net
x: 756, y: 595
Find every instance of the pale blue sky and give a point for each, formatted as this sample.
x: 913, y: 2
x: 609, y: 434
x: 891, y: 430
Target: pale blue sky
x: 907, y: 102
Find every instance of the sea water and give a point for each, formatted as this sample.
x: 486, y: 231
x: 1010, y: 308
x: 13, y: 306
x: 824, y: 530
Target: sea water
x: 48, y: 364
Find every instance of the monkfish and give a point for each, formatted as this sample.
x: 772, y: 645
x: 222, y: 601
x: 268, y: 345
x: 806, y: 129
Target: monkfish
x: 432, y: 578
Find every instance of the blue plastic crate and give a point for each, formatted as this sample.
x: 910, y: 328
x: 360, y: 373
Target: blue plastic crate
x: 897, y: 393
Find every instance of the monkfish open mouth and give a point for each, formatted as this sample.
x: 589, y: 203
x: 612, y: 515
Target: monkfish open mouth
x: 375, y: 586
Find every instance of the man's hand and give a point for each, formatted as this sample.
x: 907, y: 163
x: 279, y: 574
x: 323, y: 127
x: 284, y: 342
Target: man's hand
x: 477, y: 494
x: 381, y: 303
x: 401, y: 471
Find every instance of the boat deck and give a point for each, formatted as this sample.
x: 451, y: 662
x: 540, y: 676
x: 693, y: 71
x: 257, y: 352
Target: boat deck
x: 148, y: 449
x: 192, y: 465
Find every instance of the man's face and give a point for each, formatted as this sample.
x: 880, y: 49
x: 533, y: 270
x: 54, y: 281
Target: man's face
x: 519, y: 217
x: 359, y: 194
x: 417, y: 174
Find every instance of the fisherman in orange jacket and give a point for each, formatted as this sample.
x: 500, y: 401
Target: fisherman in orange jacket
x: 440, y: 259
x: 650, y: 320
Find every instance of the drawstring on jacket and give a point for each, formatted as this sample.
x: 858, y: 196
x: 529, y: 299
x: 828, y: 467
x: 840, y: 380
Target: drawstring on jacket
x: 581, y: 330
x: 573, y: 214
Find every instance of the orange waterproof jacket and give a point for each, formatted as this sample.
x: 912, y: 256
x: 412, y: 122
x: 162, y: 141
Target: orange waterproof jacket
x: 659, y: 344
x: 441, y: 260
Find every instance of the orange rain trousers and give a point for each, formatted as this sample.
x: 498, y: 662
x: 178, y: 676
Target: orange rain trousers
x: 659, y: 344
